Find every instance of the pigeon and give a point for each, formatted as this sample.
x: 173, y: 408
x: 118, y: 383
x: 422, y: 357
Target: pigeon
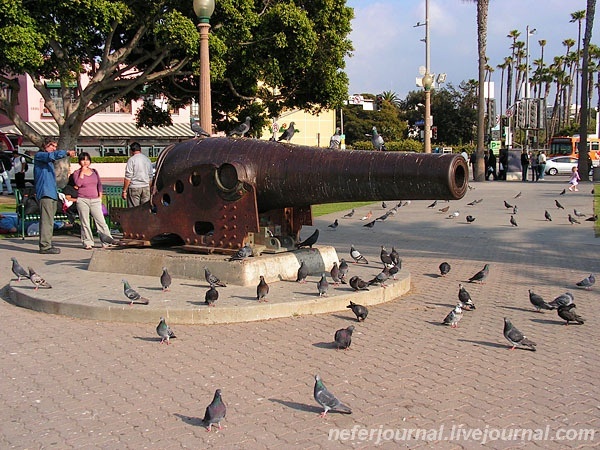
x: 133, y: 295
x: 470, y: 219
x: 37, y: 280
x: 288, y: 134
x: 587, y: 282
x: 563, y: 192
x: 508, y: 205
x: 309, y: 241
x: 377, y: 140
x: 242, y: 253
x: 454, y: 215
x: 568, y: 313
x: 592, y: 218
x: 393, y: 271
x: 562, y: 300
x: 578, y: 214
x: 516, y: 338
x: 302, y: 273
x: 395, y: 257
x: 383, y: 205
x: 547, y: 216
x: 370, y: 224
x: 384, y: 216
x: 558, y: 205
x: 343, y: 338
x: 164, y: 331
x: 518, y: 195
x: 367, y: 216
x: 334, y: 225
x: 513, y: 221
x: 444, y: 209
x: 322, y: 285
x: 336, y: 140
x: 327, y: 400
x: 465, y: 298
x: 433, y: 205
x: 454, y: 316
x: 385, y: 257
x: 515, y: 209
x: 215, y: 412
x: 198, y: 130
x: 165, y: 279
x: 359, y: 311
x: 573, y: 220
x: 358, y: 284
x: 211, y: 279
x: 481, y: 275
x: 381, y: 277
x: 262, y: 290
x: 211, y: 296
x: 350, y: 214
x: 18, y: 270
x: 539, y: 303
x: 444, y: 268
x: 343, y: 270
x: 357, y: 257
x: 335, y: 274
x: 107, y: 240
x: 241, y: 129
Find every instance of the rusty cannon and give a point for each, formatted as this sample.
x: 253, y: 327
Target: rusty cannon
x: 218, y: 194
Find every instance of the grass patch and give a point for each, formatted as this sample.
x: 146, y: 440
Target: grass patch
x: 321, y: 210
x: 8, y: 207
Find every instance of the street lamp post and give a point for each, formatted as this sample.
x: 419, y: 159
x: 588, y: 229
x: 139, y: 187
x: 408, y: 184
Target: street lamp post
x: 427, y: 83
x: 204, y: 9
x: 527, y: 94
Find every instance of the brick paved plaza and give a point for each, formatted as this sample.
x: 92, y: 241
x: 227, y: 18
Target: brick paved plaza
x: 73, y: 383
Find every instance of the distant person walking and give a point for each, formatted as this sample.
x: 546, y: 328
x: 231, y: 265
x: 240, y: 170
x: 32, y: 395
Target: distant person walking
x: 524, y: 165
x: 491, y: 166
x: 19, y: 164
x: 138, y: 174
x: 533, y: 160
x: 46, y: 191
x: 574, y: 180
x: 542, y: 164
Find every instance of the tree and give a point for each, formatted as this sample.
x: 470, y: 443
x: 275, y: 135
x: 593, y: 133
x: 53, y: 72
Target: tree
x: 583, y: 163
x: 482, y: 15
x: 578, y: 17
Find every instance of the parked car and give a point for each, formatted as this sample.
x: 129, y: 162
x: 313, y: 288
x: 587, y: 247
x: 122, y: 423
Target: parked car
x: 6, y: 159
x: 560, y: 165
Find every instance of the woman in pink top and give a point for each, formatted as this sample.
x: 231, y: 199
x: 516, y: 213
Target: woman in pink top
x: 89, y: 201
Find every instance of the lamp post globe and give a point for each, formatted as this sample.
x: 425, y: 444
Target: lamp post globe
x: 204, y: 9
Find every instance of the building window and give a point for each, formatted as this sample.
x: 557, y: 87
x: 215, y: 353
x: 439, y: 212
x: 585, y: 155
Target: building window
x: 120, y: 107
x: 58, y: 101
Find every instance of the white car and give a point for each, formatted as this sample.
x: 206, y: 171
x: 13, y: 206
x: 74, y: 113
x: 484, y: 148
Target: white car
x: 562, y: 165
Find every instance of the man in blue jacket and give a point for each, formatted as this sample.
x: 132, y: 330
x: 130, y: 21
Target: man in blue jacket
x: 46, y: 191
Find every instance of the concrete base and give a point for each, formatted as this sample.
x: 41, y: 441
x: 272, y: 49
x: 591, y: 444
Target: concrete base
x: 274, y: 267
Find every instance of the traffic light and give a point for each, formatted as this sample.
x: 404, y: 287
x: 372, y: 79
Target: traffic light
x: 378, y: 103
x: 434, y: 132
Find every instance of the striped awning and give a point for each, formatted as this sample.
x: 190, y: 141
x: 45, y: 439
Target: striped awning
x: 111, y: 130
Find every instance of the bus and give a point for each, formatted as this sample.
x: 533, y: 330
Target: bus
x: 569, y: 146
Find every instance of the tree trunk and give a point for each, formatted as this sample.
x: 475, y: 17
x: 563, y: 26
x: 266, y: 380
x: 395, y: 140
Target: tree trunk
x: 482, y: 13
x: 584, y: 160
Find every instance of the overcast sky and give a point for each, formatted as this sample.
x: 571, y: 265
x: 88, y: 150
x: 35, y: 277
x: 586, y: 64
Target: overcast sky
x: 388, y: 50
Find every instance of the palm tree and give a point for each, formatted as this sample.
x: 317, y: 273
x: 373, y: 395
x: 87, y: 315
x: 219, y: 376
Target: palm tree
x: 542, y: 43
x: 392, y: 98
x: 568, y: 43
x: 502, y: 67
x: 513, y: 34
x: 578, y: 17
x: 583, y: 149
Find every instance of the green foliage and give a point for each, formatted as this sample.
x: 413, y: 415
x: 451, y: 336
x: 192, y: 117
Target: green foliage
x: 150, y: 115
x: 328, y: 208
x: 402, y: 145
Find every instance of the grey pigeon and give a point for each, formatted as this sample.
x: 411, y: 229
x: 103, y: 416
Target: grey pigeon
x: 350, y: 214
x: 518, y: 195
x: 358, y: 284
x: 343, y: 270
x: 481, y: 275
x: 465, y: 298
x: 18, y: 270
x: 165, y: 279
x: 454, y: 215
x: 241, y: 129
x: 587, y: 282
x: 381, y: 278
x: 383, y: 205
x: 454, y: 316
x: 508, y: 205
x: 242, y: 253
x: 360, y: 311
x: 444, y: 209
x: 357, y: 257
x: 215, y: 412
x: 37, y: 280
x: 262, y: 290
x: 302, y: 273
x: 562, y: 300
x: 577, y: 213
x: 211, y: 296
x: 385, y: 257
x: 563, y: 192
x: 322, y: 285
x: 538, y: 302
x: 592, y: 218
x: 335, y: 274
x: 568, y: 313
x: 470, y: 219
x: 515, y: 337
x: 133, y: 295
x: 377, y: 140
x: 107, y: 240
x: 547, y: 216
x: 393, y: 271
x: 370, y: 224
x: 384, y: 216
x: 444, y: 268
x: 309, y: 241
x: 343, y: 337
x: 334, y: 225
x: 211, y: 279
x: 198, y: 130
x: 395, y: 257
x: 336, y: 140
x: 515, y: 209
x: 513, y: 221
x: 288, y: 134
x: 573, y: 220
x: 327, y: 400
x: 164, y: 331
x: 433, y: 205
x: 558, y: 205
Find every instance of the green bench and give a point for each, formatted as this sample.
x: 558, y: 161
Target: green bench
x: 24, y: 218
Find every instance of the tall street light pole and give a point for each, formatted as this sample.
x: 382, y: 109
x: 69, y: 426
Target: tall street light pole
x: 427, y: 83
x: 204, y: 9
x: 527, y: 93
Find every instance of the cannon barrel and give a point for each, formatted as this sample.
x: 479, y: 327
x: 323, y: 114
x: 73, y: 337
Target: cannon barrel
x: 218, y: 193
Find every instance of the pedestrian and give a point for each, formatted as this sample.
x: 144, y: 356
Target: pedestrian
x: 46, y: 191
x: 542, y: 164
x: 138, y: 174
x: 574, y: 180
x: 473, y: 161
x: 5, y: 167
x: 524, y: 165
x: 89, y: 201
x: 491, y: 167
x: 19, y: 164
x: 534, y: 166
